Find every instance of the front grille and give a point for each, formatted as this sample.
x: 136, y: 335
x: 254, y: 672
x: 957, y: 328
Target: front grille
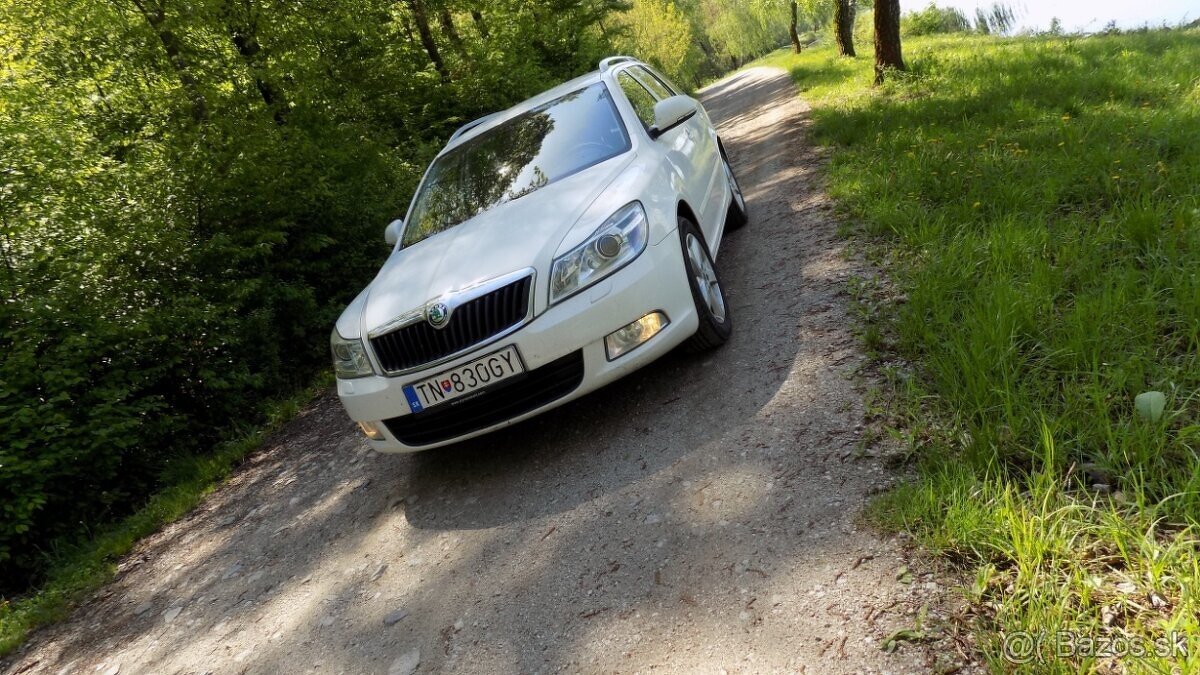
x: 504, y: 401
x: 472, y: 322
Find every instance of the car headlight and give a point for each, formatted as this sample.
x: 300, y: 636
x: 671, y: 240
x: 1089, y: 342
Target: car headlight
x: 349, y: 357
x: 612, y: 246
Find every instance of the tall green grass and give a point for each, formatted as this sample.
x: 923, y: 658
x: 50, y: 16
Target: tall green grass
x: 1039, y: 200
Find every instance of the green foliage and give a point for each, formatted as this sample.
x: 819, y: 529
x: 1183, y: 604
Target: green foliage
x: 658, y: 32
x: 79, y: 568
x: 695, y: 40
x: 1038, y: 197
x: 934, y: 20
x: 189, y: 193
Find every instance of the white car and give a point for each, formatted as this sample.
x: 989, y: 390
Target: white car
x: 550, y: 249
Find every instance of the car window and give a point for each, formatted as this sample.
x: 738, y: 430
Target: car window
x: 662, y: 79
x: 652, y: 83
x: 641, y: 98
x: 528, y: 152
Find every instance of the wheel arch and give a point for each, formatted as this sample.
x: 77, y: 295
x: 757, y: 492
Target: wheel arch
x: 684, y: 209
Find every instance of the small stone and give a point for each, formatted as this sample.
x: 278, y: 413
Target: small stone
x: 406, y: 663
x: 142, y: 608
x: 171, y: 614
x: 234, y: 570
x: 379, y: 572
x: 458, y: 625
x: 1094, y: 473
x: 254, y: 577
x: 1127, y: 587
x: 227, y: 520
x: 113, y: 669
x: 395, y: 617
x: 652, y: 519
x: 326, y: 621
x: 1150, y: 405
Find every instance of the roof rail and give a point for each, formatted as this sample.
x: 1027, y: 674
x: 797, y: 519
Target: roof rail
x: 471, y: 125
x: 611, y: 61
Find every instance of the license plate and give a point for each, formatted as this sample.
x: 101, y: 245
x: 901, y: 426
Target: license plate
x: 461, y: 381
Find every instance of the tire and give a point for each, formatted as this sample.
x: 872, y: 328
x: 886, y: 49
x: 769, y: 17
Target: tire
x: 716, y: 324
x: 739, y: 213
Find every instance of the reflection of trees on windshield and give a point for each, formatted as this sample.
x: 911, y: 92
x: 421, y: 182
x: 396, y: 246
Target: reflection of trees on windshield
x: 516, y: 158
x: 479, y: 175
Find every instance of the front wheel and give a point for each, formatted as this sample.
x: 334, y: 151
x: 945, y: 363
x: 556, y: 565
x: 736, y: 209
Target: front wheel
x: 716, y: 325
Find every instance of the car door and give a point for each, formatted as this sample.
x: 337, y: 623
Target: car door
x: 691, y: 148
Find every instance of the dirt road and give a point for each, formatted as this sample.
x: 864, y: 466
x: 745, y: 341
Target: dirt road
x: 699, y: 516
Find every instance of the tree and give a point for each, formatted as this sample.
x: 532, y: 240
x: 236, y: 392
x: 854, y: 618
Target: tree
x: 661, y: 33
x: 417, y: 8
x: 792, y: 30
x: 480, y: 24
x: 155, y: 15
x: 843, y: 22
x: 887, y: 38
x: 450, y: 31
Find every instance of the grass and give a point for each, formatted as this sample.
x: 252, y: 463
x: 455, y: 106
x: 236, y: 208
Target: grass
x: 79, y: 568
x: 1036, y: 203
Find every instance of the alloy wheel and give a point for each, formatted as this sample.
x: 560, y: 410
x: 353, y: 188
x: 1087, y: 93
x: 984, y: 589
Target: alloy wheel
x: 706, y: 278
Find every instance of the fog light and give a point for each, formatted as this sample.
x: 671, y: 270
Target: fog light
x: 372, y: 430
x: 621, y: 341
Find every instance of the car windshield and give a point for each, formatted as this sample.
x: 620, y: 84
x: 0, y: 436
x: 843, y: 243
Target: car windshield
x: 528, y: 152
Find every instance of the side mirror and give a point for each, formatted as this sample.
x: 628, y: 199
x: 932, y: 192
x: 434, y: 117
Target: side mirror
x: 392, y: 233
x: 671, y: 112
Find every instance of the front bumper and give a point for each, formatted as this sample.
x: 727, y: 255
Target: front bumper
x: 656, y: 280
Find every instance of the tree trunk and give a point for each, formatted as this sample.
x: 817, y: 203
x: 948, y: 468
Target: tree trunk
x: 887, y: 38
x: 156, y: 18
x: 251, y: 52
x: 480, y: 25
x: 843, y: 21
x: 435, y: 57
x: 792, y: 30
x: 244, y: 34
x: 450, y: 31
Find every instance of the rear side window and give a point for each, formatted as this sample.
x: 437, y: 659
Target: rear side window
x: 651, y: 82
x: 641, y: 98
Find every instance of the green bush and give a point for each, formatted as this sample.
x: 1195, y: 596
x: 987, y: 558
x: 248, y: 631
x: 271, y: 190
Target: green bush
x: 934, y: 20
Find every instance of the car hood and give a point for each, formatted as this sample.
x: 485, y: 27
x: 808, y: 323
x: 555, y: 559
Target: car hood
x: 522, y: 233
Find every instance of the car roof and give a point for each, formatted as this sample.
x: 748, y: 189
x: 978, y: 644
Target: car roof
x: 495, y: 119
